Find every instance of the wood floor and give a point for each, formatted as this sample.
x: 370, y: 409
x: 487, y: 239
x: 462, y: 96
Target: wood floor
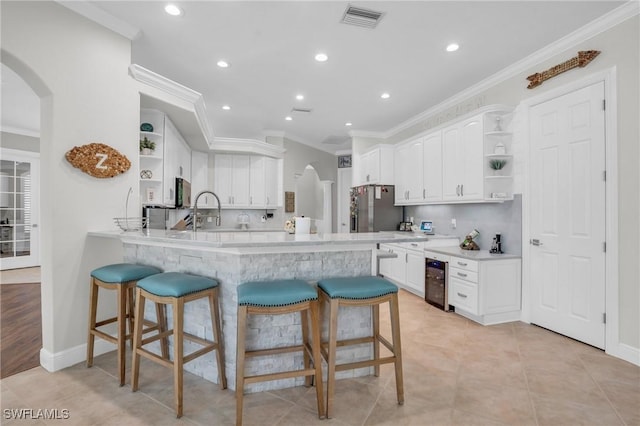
x: 20, y: 327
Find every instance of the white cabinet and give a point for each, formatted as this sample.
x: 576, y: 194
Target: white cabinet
x: 498, y: 151
x: 418, y: 166
x: 462, y: 160
x: 374, y: 166
x: 200, y: 179
x: 394, y: 268
x: 247, y: 182
x: 170, y: 159
x: 486, y: 291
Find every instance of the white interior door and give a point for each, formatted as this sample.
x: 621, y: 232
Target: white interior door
x: 19, y: 209
x: 344, y: 200
x: 568, y: 215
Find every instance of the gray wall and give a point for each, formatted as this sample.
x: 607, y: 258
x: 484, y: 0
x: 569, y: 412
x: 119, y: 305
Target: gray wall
x: 488, y: 219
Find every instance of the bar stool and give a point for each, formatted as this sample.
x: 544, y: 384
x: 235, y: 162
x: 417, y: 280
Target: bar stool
x: 176, y: 289
x: 121, y: 277
x: 361, y: 291
x: 276, y: 298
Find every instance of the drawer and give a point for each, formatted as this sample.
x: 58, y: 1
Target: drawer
x: 459, y: 262
x: 412, y: 246
x: 463, y: 274
x: 463, y: 295
x: 436, y: 256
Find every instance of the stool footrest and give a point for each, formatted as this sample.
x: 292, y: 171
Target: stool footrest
x: 365, y: 363
x: 275, y: 351
x: 108, y: 321
x: 279, y: 376
x: 154, y: 357
x: 157, y: 337
x: 105, y: 336
x: 199, y: 352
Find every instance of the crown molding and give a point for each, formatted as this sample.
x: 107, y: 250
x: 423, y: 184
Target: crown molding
x: 593, y: 28
x: 294, y: 138
x: 247, y: 146
x: 20, y: 131
x: 343, y: 152
x: 368, y: 134
x: 103, y: 18
x: 172, y: 88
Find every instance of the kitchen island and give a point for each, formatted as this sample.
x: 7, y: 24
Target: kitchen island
x: 233, y: 258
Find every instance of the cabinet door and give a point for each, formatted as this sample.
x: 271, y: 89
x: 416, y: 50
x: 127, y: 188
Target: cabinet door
x: 399, y: 266
x: 223, y: 178
x: 471, y: 159
x: 200, y: 178
x: 373, y: 166
x: 432, y: 154
x: 272, y: 181
x: 241, y: 173
x: 257, y: 182
x: 500, y: 286
x: 402, y: 175
x: 385, y: 265
x: 450, y: 149
x: 415, y: 272
x: 414, y: 171
x: 463, y: 295
x: 170, y: 167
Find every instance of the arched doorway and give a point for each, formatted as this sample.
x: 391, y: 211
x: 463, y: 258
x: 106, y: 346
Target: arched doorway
x: 313, y: 199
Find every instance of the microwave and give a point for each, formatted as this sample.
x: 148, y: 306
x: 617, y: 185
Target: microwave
x: 183, y: 193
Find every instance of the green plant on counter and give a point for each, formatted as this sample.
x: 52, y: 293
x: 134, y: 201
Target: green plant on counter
x: 497, y: 164
x: 146, y: 143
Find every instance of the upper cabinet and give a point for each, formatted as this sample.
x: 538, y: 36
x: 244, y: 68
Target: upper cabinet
x: 468, y: 161
x: 374, y: 166
x: 247, y: 181
x: 170, y: 158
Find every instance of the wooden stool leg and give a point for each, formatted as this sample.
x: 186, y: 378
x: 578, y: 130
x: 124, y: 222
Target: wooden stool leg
x: 137, y: 339
x: 242, y: 326
x: 131, y: 310
x: 217, y: 336
x: 93, y: 310
x: 397, y: 347
x: 122, y: 293
x: 317, y: 357
x: 331, y: 357
x: 375, y: 313
x: 304, y: 322
x: 161, y: 319
x: 178, y: 353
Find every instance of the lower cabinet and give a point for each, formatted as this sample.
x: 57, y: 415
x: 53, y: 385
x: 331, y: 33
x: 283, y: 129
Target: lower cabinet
x: 488, y: 292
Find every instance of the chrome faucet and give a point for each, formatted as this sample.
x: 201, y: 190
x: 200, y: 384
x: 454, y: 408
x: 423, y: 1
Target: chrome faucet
x: 195, y: 209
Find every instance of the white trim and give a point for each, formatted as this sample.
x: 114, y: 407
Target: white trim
x: 20, y: 153
x: 20, y: 131
x: 628, y: 353
x: 247, y: 146
x: 103, y: 18
x: 609, y: 77
x: 343, y: 152
x: 57, y: 361
x: 599, y: 25
x: 327, y: 217
x: 170, y: 87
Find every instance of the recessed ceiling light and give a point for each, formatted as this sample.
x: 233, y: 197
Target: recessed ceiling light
x: 226, y: 107
x: 321, y: 57
x: 348, y: 124
x: 452, y: 47
x: 299, y: 97
x: 288, y: 118
x: 222, y: 63
x: 173, y: 10
x: 385, y: 95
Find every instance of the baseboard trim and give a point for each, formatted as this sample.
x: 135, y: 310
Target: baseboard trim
x: 57, y: 361
x: 627, y: 353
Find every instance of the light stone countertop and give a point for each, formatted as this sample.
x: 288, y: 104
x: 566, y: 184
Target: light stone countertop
x: 471, y: 254
x: 256, y: 239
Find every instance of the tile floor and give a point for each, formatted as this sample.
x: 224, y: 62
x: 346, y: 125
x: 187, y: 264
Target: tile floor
x: 456, y: 372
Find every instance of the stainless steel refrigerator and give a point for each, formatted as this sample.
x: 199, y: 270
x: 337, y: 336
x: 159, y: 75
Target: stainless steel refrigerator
x: 372, y: 209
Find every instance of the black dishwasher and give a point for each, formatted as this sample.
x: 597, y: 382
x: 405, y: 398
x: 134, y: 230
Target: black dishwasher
x: 435, y: 284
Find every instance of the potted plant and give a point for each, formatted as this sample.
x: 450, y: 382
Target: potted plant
x: 497, y: 164
x: 147, y: 146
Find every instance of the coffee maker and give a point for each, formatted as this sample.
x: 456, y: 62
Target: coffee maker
x: 496, y: 245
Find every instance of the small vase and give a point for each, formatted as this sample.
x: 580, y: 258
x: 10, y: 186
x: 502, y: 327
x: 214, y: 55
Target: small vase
x: 146, y: 151
x: 497, y: 172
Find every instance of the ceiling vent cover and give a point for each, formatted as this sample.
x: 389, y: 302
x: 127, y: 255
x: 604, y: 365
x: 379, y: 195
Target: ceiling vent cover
x: 301, y: 110
x: 361, y: 17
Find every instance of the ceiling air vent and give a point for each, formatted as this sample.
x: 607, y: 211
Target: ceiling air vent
x: 361, y: 17
x: 301, y: 110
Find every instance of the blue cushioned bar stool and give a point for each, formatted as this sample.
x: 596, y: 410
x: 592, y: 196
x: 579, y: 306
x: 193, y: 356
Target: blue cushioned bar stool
x: 176, y: 289
x: 361, y: 291
x: 121, y: 277
x: 276, y: 298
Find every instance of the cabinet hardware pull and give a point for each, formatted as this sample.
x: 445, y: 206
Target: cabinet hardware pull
x: 458, y: 190
x: 462, y: 190
x: 462, y: 264
x: 461, y: 274
x: 464, y: 296
x: 414, y: 244
x: 424, y: 193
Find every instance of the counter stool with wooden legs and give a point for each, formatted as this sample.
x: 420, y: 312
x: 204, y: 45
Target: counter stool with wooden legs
x: 176, y: 289
x: 121, y: 277
x: 276, y: 298
x: 361, y: 291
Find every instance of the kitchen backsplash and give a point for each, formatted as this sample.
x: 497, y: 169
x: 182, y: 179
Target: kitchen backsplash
x: 488, y: 218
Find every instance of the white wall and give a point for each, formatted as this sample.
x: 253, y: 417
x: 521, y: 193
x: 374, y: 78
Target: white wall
x: 620, y: 48
x: 20, y: 142
x: 79, y: 69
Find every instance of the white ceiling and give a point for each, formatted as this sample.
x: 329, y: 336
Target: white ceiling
x: 271, y: 47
